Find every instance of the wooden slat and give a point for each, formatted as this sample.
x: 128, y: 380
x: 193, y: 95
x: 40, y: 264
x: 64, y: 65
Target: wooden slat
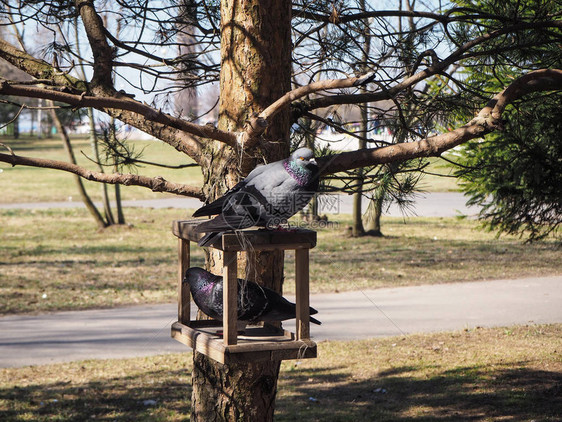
x: 302, y: 292
x: 184, y: 229
x: 184, y: 297
x: 268, y: 240
x: 260, y: 239
x: 229, y: 296
x: 279, y: 347
x: 202, y: 343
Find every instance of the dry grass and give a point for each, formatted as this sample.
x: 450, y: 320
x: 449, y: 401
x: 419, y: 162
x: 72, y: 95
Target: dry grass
x: 482, y: 374
x: 56, y: 259
x: 425, y: 251
x: 478, y: 375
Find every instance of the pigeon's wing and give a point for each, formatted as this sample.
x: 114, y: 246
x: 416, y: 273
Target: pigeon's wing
x: 217, y: 206
x: 252, y: 300
x: 278, y: 190
x: 225, y: 223
x: 270, y: 177
x: 246, y: 208
x: 283, y: 193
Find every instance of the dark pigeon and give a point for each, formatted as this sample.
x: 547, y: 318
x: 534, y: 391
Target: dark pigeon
x: 255, y: 302
x: 267, y: 197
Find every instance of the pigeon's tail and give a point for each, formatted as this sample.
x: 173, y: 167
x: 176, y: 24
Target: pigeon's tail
x: 209, y: 238
x: 213, y: 208
x: 221, y: 223
x: 315, y: 321
x: 313, y: 311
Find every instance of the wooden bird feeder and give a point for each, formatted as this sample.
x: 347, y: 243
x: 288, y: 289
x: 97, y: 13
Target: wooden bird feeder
x: 256, y: 343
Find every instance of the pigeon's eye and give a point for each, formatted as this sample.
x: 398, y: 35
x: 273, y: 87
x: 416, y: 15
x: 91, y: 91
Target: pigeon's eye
x: 301, y: 158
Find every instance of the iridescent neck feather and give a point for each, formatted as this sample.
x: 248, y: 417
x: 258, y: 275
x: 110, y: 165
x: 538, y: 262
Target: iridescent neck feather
x: 299, y: 173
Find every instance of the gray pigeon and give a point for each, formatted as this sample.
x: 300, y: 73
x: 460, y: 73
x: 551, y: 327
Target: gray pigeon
x: 255, y: 302
x: 267, y: 197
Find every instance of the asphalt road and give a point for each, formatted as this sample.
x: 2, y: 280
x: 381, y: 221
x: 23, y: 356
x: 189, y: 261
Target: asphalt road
x: 432, y: 204
x: 145, y: 330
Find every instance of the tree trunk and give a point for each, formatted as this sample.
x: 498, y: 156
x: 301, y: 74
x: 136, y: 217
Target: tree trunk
x: 17, y: 128
x: 313, y: 205
x: 357, y: 227
x: 40, y: 119
x: 255, y: 71
x: 81, y: 189
x: 118, y: 203
x: 95, y: 150
x: 374, y: 219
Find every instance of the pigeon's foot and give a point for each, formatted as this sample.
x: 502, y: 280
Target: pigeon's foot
x: 279, y: 224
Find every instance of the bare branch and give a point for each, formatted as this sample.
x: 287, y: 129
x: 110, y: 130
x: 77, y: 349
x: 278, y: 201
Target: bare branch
x: 259, y: 123
x: 38, y: 68
x: 487, y: 120
x: 103, y: 53
x: 116, y: 105
x: 156, y: 184
x: 437, y: 66
x: 340, y: 18
x: 13, y: 118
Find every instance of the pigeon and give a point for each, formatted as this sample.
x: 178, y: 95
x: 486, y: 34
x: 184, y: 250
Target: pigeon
x: 255, y: 302
x: 267, y: 197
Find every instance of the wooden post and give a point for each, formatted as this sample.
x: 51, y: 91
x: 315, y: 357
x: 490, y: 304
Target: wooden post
x: 229, y: 297
x: 184, y: 309
x: 302, y: 290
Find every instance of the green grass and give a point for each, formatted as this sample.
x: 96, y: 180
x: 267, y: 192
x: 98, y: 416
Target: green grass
x: 29, y: 184
x: 32, y: 184
x: 480, y: 375
x: 437, y: 177
x: 57, y: 259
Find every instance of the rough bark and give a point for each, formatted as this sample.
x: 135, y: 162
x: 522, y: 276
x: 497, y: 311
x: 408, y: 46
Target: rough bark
x: 374, y: 219
x: 255, y: 71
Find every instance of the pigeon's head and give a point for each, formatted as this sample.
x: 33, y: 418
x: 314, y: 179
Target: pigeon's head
x: 304, y: 157
x: 198, y: 278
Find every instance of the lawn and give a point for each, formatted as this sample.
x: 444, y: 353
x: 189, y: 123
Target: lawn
x: 31, y: 184
x: 57, y: 259
x: 485, y: 374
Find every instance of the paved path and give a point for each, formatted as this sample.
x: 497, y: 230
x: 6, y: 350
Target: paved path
x: 145, y: 330
x: 433, y: 204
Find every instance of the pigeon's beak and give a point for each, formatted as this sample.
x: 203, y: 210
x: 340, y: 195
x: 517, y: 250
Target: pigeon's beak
x: 312, y: 160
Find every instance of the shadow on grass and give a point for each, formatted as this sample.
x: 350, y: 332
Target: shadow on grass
x: 463, y: 394
x: 152, y: 395
x: 325, y: 394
